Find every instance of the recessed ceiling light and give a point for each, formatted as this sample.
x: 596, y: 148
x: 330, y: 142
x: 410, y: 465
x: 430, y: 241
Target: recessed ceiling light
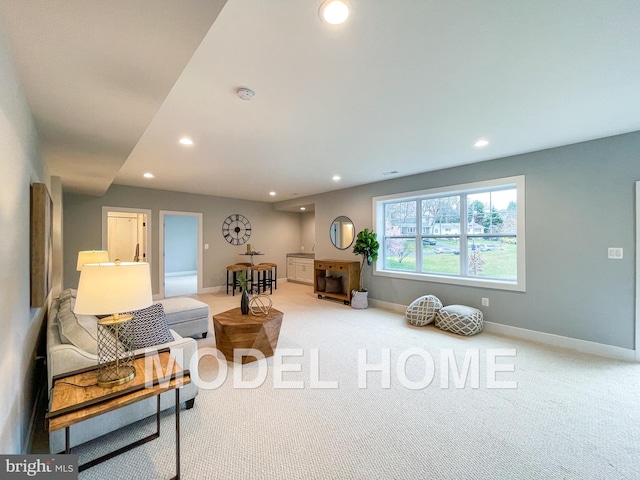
x: 148, y: 175
x: 481, y: 143
x: 302, y: 208
x: 334, y: 12
x: 273, y: 194
x: 186, y: 141
x: 336, y: 178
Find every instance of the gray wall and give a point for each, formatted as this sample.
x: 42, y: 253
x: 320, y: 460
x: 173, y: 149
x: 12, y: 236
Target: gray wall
x: 307, y: 231
x: 21, y: 164
x: 579, y: 201
x: 180, y: 243
x: 273, y: 232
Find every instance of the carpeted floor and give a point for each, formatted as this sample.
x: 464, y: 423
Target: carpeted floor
x: 572, y: 416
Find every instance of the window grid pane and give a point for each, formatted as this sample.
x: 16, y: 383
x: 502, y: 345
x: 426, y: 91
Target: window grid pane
x: 470, y: 234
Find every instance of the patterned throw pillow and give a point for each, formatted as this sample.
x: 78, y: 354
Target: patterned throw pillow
x: 150, y: 327
x: 422, y: 311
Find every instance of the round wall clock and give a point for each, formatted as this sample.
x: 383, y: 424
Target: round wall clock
x: 236, y: 229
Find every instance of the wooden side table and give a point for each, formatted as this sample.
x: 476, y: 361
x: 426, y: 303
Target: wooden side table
x: 234, y: 330
x: 77, y: 397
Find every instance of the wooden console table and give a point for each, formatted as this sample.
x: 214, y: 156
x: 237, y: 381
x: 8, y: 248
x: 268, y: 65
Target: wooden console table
x: 76, y: 396
x: 348, y: 270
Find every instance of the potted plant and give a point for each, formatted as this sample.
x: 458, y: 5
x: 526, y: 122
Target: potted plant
x: 366, y: 245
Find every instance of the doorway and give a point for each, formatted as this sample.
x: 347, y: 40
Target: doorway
x: 637, y: 340
x: 181, y: 254
x: 125, y: 234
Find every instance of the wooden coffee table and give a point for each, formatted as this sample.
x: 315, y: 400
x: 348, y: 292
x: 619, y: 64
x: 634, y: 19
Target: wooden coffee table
x: 234, y: 330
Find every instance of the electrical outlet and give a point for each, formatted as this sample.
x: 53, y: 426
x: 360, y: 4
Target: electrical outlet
x: 206, y: 246
x: 615, y: 253
x: 485, y: 302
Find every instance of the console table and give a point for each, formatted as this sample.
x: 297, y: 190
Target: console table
x: 77, y: 397
x: 348, y: 270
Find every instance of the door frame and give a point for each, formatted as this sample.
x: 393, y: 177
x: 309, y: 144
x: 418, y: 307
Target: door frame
x: 636, y: 345
x: 161, y: 253
x: 105, y: 226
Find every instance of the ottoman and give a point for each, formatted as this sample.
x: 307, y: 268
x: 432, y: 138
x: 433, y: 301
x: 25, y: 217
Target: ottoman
x: 187, y: 316
x: 460, y: 319
x: 423, y: 310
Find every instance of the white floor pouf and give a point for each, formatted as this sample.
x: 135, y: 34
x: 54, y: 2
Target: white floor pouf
x: 422, y: 311
x: 460, y: 319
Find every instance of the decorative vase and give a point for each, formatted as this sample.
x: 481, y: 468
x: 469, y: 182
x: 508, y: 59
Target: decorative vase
x: 244, y: 302
x: 359, y: 299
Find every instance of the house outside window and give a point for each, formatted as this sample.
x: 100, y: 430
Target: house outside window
x: 470, y: 234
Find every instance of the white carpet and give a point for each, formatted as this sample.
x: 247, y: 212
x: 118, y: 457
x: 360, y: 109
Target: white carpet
x: 573, y: 416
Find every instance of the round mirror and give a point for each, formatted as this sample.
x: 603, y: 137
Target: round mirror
x: 342, y: 233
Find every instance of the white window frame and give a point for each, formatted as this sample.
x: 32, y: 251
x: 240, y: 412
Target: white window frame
x: 518, y: 285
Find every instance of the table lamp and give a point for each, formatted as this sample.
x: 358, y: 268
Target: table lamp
x: 110, y: 289
x: 91, y: 256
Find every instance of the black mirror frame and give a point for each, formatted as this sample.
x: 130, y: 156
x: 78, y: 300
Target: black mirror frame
x: 331, y: 237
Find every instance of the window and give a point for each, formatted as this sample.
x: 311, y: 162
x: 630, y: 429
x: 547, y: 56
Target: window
x: 469, y: 234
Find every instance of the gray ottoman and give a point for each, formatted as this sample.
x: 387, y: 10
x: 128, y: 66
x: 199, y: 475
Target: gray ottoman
x: 460, y: 319
x: 187, y: 316
x: 422, y: 311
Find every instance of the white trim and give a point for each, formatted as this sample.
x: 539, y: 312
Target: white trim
x: 568, y: 343
x: 105, y: 227
x: 465, y: 281
x: 519, y: 285
x: 394, y: 307
x: 637, y: 341
x: 162, y: 214
x: 181, y: 274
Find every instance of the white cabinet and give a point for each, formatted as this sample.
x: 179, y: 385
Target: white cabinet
x: 300, y: 269
x: 304, y: 270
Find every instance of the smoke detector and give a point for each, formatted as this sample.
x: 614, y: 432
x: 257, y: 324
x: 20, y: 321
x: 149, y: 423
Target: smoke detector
x: 245, y: 93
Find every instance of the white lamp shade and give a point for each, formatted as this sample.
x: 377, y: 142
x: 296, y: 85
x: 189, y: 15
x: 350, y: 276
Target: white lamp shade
x: 91, y: 256
x: 109, y: 288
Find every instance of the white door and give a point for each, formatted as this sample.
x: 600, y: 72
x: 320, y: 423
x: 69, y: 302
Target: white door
x: 124, y: 234
x: 123, y: 239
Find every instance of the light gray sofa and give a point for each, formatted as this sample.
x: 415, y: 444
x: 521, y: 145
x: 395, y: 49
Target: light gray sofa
x: 66, y: 357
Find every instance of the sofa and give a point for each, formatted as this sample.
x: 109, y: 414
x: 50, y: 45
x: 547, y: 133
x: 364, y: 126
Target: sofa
x: 186, y: 316
x: 74, y: 347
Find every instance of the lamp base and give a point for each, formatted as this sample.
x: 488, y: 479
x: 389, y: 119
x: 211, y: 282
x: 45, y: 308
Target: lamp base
x: 115, y: 351
x: 111, y: 376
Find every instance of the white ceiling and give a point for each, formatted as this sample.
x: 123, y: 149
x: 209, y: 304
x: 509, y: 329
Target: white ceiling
x: 403, y: 85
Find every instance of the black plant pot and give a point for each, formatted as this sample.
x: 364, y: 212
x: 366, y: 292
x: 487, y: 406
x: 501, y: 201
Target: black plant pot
x: 244, y: 302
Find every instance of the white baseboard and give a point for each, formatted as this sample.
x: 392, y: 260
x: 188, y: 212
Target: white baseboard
x: 583, y: 346
x: 394, y: 307
x: 220, y: 288
x: 180, y: 274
